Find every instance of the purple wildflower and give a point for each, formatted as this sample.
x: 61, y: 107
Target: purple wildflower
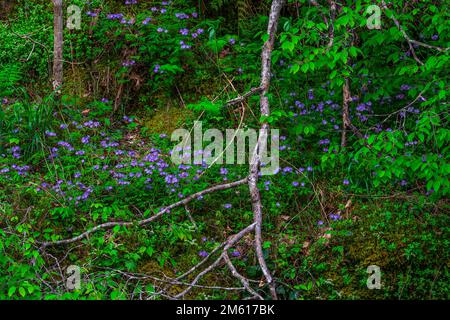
x: 235, y: 254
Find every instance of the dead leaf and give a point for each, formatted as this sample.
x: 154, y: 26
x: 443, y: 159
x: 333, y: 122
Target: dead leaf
x: 348, y: 204
x: 261, y: 283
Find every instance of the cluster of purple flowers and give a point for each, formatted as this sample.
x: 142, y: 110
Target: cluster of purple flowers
x: 235, y: 254
x: 335, y: 216
x: 197, y: 33
x: 363, y: 109
x: 114, y: 16
x: 80, y: 152
x: 106, y: 144
x: 146, y: 21
x: 411, y: 143
x: 15, y: 150
x: 66, y: 145
x: 296, y: 184
x: 21, y: 170
x: 182, y: 16
x: 203, y: 254
x: 125, y: 21
x: 91, y: 124
x: 171, y: 179
x: 405, y: 87
x: 128, y: 63
x: 157, y: 69
x: 127, y: 119
x: 183, y: 45
x: 184, y: 31
x: 4, y: 170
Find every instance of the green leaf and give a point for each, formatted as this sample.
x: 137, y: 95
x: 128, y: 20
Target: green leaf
x: 115, y: 294
x: 11, y: 291
x: 22, y: 292
x: 294, y: 69
x: 150, y: 251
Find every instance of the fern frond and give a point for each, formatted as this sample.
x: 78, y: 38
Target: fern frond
x: 10, y: 75
x: 244, y: 10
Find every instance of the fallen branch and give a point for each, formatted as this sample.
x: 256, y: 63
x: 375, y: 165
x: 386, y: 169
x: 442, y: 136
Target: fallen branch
x: 243, y: 97
x: 140, y: 276
x: 109, y: 225
x: 227, y: 245
x: 243, y: 280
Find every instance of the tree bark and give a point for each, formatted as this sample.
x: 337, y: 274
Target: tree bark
x: 255, y: 162
x: 346, y: 98
x: 57, y: 45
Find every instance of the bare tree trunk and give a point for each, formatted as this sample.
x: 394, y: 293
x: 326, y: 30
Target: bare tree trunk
x: 346, y: 98
x: 332, y: 18
x: 256, y: 160
x: 57, y: 45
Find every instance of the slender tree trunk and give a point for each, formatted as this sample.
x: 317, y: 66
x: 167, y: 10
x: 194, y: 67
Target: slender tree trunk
x: 57, y: 45
x: 266, y: 59
x: 332, y: 18
x: 346, y: 98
